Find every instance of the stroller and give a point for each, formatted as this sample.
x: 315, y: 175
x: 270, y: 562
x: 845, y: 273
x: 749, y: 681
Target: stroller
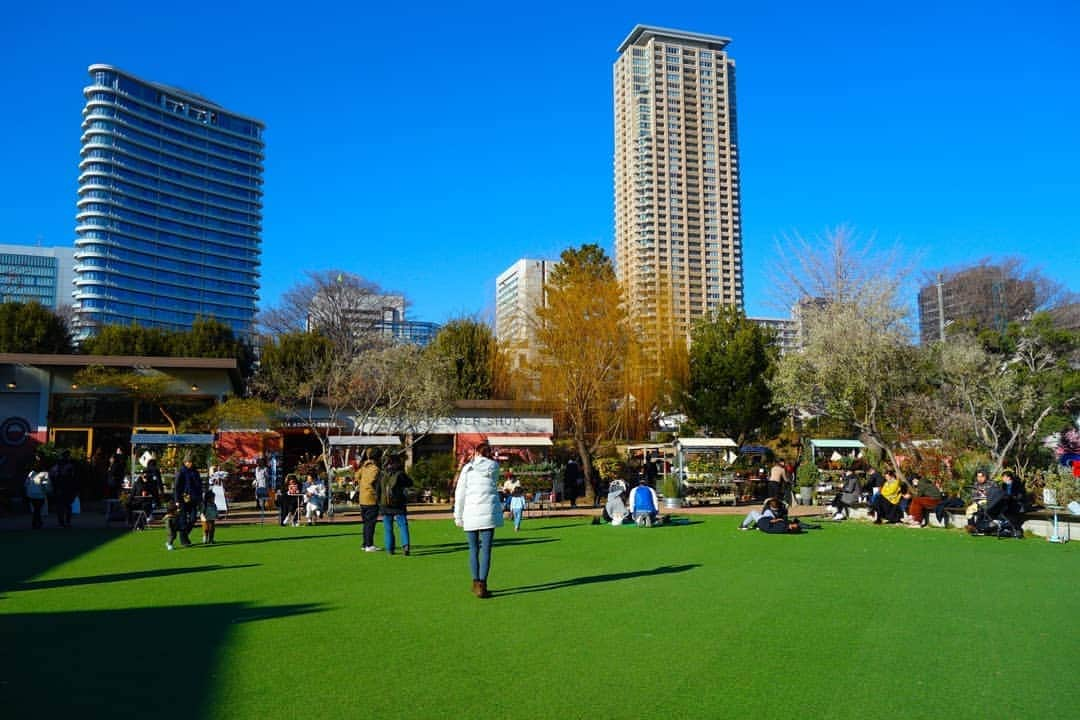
x: 981, y: 523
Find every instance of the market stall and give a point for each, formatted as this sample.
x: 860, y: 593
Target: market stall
x: 703, y: 466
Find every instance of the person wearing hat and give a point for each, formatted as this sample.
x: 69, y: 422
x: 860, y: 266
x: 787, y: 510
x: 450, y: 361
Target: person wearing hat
x: 367, y: 482
x: 187, y: 492
x: 644, y: 503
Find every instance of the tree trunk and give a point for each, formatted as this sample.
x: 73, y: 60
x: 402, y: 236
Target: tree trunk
x: 586, y: 464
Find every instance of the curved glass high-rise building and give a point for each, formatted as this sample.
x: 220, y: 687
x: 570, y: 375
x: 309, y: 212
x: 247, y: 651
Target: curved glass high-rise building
x: 169, y: 211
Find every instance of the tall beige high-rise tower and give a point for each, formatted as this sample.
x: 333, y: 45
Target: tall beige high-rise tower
x: 678, y: 236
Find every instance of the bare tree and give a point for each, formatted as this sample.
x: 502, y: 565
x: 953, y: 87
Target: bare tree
x: 400, y: 389
x: 343, y: 307
x: 857, y: 363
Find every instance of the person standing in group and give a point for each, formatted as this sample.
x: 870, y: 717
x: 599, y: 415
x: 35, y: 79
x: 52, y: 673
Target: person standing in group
x: 261, y: 483
x: 367, y: 481
x: 64, y: 477
x: 478, y: 512
x: 37, y: 489
x: 570, y: 481
x: 393, y: 501
x: 117, y: 470
x: 777, y: 478
x: 187, y: 493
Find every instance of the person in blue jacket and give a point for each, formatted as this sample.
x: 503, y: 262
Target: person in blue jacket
x: 644, y: 503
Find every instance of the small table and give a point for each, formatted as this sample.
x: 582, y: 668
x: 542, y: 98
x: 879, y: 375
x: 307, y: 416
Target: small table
x: 1054, y: 536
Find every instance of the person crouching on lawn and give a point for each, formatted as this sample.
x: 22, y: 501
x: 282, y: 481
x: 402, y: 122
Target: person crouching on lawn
x: 644, y: 503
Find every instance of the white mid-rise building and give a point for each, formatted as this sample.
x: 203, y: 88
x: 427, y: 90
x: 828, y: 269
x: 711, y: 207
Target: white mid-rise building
x: 519, y: 291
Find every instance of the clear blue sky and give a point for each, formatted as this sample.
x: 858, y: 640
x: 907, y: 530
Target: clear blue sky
x: 427, y: 146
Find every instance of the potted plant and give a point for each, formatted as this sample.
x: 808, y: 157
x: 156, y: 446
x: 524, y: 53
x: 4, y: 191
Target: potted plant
x: 672, y: 491
x: 806, y: 477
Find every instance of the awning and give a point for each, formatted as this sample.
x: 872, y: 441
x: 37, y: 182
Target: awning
x: 363, y: 440
x: 519, y: 440
x: 705, y: 443
x: 844, y: 444
x: 166, y: 439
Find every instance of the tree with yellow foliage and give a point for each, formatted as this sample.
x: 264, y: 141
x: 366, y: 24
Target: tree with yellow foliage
x: 583, y: 337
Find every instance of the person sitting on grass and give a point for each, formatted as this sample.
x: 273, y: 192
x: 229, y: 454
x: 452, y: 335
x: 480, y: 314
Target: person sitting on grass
x: 644, y: 503
x: 615, y: 508
x: 774, y: 519
x: 886, y: 504
x: 777, y: 509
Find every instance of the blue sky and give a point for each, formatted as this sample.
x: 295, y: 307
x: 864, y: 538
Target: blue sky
x: 427, y: 147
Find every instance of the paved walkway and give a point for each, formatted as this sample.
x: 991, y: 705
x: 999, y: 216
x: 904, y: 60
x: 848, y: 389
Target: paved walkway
x: 245, y: 513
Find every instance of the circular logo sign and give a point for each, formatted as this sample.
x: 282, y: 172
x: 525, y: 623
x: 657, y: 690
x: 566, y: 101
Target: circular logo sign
x: 14, y: 431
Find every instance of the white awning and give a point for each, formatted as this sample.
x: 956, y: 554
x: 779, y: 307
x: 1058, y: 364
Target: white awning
x: 705, y: 443
x: 649, y: 446
x: 519, y: 440
x: 835, y: 443
x: 363, y: 440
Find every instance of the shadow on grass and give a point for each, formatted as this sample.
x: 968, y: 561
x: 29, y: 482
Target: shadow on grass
x: 279, y: 539
x: 590, y: 579
x: 158, y: 662
x: 28, y: 554
x: 122, y: 577
x: 456, y: 547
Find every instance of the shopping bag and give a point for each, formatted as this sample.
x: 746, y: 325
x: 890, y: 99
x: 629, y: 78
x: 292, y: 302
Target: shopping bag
x: 75, y: 506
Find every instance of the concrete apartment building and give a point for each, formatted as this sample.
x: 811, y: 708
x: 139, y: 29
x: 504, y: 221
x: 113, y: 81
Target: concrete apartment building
x: 787, y: 332
x: 30, y: 273
x: 678, y: 234
x: 987, y: 295
x: 519, y: 290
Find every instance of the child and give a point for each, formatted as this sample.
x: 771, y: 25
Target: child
x: 209, y: 518
x: 172, y: 523
x: 517, y: 506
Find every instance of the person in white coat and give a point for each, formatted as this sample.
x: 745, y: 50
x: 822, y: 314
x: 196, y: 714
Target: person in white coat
x: 478, y: 512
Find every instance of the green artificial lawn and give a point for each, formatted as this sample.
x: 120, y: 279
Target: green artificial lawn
x: 690, y: 621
